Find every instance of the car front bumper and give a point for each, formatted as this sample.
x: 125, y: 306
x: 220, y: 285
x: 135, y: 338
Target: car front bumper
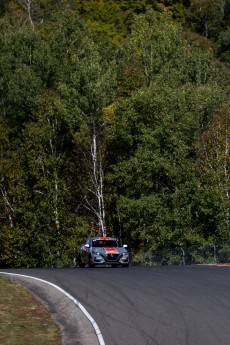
x: 121, y: 259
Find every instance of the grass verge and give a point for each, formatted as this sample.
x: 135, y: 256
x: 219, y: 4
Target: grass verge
x: 23, y: 319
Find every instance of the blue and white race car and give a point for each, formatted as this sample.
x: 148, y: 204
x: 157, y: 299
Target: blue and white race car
x: 103, y: 251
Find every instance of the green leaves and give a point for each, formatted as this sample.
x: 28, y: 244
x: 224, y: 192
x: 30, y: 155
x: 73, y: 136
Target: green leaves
x: 92, y: 134
x: 158, y: 125
x: 155, y: 42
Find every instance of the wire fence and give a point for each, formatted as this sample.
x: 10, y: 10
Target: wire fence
x: 215, y: 253
x: 196, y: 254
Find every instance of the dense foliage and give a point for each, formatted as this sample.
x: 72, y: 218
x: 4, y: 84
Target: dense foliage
x: 114, y: 119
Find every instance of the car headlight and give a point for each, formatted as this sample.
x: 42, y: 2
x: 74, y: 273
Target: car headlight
x: 96, y: 253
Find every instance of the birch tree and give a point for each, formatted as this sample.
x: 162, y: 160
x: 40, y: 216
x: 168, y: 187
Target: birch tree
x: 214, y: 167
x: 98, y: 93
x: 7, y: 202
x: 27, y: 5
x: 96, y: 174
x: 87, y: 85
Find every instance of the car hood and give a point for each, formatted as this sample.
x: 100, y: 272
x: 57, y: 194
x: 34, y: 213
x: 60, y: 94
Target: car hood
x: 110, y: 250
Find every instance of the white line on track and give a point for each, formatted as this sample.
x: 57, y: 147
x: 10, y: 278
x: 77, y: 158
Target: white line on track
x: 78, y: 304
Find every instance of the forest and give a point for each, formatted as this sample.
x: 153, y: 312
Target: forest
x: 114, y: 121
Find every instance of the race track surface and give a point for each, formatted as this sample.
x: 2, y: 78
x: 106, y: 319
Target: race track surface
x: 169, y: 305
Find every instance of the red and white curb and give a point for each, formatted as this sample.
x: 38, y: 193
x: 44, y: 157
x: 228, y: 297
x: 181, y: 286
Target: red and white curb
x: 74, y: 300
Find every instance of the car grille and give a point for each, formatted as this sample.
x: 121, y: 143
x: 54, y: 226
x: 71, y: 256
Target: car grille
x: 112, y: 257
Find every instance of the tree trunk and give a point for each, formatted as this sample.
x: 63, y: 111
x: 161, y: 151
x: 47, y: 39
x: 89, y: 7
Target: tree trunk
x: 98, y: 181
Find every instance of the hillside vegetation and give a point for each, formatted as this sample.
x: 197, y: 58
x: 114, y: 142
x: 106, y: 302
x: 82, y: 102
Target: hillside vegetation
x: 114, y: 120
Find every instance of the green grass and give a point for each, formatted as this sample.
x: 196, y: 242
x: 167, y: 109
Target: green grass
x: 23, y: 319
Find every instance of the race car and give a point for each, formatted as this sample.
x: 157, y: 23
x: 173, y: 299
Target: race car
x: 103, y: 251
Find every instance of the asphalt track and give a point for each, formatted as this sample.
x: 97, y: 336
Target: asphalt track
x: 169, y: 305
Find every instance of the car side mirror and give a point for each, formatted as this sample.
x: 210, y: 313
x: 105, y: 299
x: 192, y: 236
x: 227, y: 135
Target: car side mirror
x: 86, y: 245
x: 125, y: 246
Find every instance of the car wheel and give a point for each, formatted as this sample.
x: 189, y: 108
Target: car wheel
x: 90, y: 263
x: 81, y: 264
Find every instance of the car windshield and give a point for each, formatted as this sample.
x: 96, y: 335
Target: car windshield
x: 106, y: 243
